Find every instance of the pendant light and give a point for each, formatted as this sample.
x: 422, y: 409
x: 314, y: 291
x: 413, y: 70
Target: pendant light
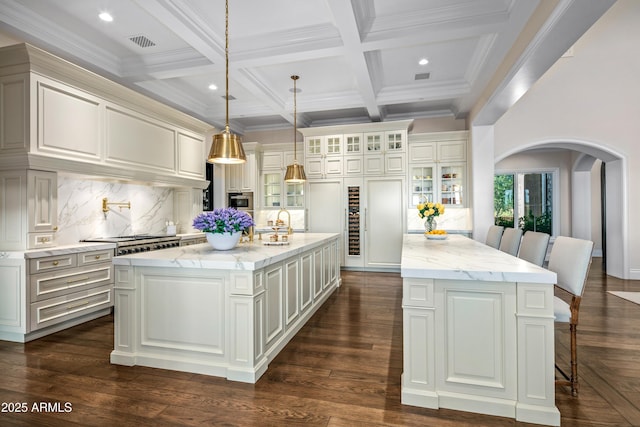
x: 295, y: 172
x: 226, y: 147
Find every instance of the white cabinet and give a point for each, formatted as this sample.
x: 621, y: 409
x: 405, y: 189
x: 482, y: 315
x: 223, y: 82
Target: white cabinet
x: 438, y: 168
x: 353, y: 162
x: 42, y: 208
x: 242, y: 178
x: 274, y: 192
x: 323, y: 156
x: 52, y: 292
x: 385, y: 152
x: 28, y: 209
x: 71, y: 120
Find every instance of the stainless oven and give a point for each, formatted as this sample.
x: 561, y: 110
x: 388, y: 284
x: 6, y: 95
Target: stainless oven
x: 241, y: 201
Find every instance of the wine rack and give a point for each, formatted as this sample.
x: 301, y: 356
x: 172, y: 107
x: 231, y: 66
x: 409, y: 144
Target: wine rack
x: 354, y: 220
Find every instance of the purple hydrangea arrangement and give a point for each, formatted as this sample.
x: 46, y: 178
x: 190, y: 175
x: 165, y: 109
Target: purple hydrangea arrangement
x: 222, y: 221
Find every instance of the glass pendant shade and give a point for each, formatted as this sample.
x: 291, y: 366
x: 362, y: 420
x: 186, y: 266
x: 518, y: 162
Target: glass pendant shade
x: 295, y: 173
x: 226, y: 148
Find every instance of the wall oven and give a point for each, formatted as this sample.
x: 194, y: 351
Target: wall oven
x: 241, y: 201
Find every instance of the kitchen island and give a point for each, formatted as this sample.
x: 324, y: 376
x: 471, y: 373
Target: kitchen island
x: 478, y: 330
x: 220, y: 313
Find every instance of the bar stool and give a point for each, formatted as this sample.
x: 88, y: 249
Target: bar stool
x: 570, y: 259
x: 494, y: 236
x: 511, y: 241
x: 533, y: 247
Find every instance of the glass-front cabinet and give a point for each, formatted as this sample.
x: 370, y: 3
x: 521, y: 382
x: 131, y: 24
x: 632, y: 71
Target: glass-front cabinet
x: 272, y: 185
x: 272, y: 189
x: 422, y: 187
x: 452, y: 185
x: 295, y: 194
x: 438, y: 168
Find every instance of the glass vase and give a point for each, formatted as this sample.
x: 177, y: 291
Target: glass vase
x: 430, y: 224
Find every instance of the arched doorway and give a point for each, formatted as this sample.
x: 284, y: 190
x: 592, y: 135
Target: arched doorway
x: 615, y: 208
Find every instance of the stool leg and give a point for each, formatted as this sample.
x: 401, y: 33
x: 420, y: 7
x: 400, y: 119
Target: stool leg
x: 574, y: 360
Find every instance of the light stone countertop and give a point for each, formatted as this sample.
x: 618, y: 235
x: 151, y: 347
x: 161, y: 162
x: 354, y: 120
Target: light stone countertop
x: 245, y: 256
x: 461, y: 258
x: 57, y: 250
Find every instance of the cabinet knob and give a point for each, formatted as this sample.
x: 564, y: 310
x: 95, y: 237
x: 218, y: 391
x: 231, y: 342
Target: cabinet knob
x: 55, y: 228
x: 55, y: 262
x: 97, y: 256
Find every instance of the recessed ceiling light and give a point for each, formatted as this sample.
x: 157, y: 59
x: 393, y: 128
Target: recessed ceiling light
x: 423, y: 61
x: 105, y: 16
x: 213, y: 87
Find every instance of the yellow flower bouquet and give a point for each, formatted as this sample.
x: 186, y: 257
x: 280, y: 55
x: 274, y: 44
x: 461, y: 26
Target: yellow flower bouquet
x: 429, y: 211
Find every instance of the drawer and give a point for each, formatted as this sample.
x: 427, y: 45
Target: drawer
x: 94, y: 257
x: 54, y: 284
x: 57, y: 310
x: 52, y: 263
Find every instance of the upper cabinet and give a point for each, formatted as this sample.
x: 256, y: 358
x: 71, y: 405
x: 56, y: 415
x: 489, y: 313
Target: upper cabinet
x: 62, y: 117
x: 274, y: 191
x: 323, y: 156
x: 242, y: 178
x: 385, y: 152
x: 438, y: 168
x: 356, y: 150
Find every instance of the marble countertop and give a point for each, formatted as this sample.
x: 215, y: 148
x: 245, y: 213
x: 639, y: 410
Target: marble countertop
x: 57, y: 250
x: 461, y: 258
x: 245, y: 256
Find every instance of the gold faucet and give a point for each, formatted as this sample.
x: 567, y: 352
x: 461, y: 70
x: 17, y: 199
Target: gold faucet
x: 106, y: 203
x: 289, y: 229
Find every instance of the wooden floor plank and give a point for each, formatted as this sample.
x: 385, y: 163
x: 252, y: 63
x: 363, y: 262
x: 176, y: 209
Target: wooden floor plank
x: 342, y: 369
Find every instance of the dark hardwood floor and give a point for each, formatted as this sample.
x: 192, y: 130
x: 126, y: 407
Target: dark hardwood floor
x: 342, y: 369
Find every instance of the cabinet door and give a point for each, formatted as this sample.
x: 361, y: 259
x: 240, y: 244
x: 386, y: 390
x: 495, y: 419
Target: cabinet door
x: 271, y: 189
x: 374, y: 164
x: 332, y: 166
x: 313, y: 146
x: 383, y: 222
x: 353, y: 165
x: 395, y: 141
x: 452, y: 184
x: 295, y: 194
x: 452, y: 151
x: 373, y: 142
x: 314, y: 167
x: 423, y: 152
x: 353, y: 144
x: 42, y: 196
x: 333, y: 145
x: 233, y: 177
x: 394, y: 163
x: 422, y: 184
x: 272, y: 160
x: 248, y: 173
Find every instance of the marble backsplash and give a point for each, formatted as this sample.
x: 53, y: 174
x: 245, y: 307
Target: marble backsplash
x: 80, y: 213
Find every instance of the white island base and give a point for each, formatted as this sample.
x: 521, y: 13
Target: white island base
x: 220, y: 313
x: 478, y: 330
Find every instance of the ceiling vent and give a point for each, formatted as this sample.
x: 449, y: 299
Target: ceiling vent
x: 142, y: 41
x: 422, y: 76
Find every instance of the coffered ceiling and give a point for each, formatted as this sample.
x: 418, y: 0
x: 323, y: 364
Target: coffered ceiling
x: 357, y: 59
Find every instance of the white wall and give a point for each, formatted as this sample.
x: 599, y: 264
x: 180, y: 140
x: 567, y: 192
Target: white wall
x: 591, y: 99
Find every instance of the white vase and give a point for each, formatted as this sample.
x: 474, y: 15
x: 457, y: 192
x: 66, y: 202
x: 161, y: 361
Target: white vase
x: 223, y: 241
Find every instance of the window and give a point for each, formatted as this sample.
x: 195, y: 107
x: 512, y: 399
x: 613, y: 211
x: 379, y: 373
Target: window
x: 525, y: 200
